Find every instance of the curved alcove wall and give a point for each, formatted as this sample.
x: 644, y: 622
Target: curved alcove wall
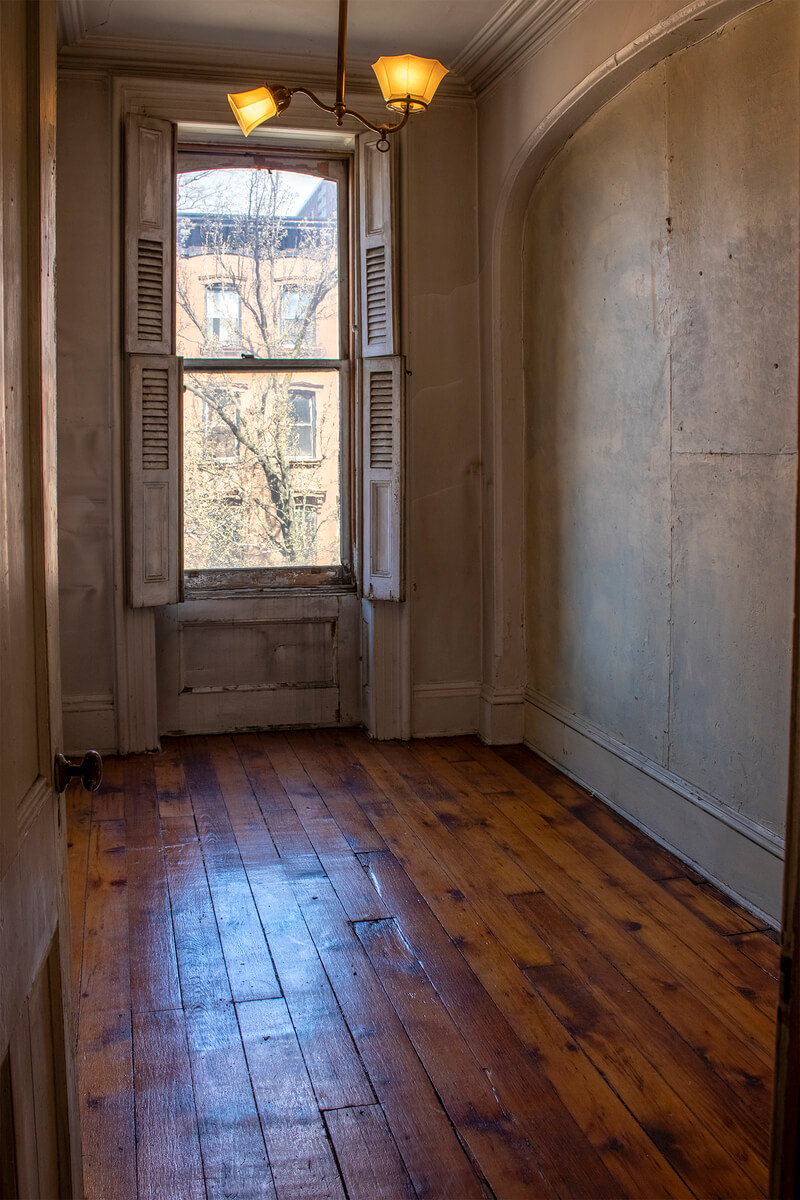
x: 659, y: 327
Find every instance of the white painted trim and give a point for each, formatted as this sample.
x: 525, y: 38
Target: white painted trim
x: 427, y: 691
x: 766, y: 838
x: 71, y: 26
x: 388, y: 695
x: 513, y: 35
x: 141, y: 695
x: 445, y: 709
x: 502, y: 715
x: 743, y: 858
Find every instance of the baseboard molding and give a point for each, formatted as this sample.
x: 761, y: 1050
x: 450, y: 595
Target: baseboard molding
x: 740, y: 856
x: 444, y: 709
x: 502, y: 716
x: 90, y: 723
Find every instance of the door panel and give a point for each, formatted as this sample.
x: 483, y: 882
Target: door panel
x: 40, y: 1140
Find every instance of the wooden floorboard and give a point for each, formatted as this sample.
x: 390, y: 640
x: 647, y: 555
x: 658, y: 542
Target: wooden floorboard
x: 309, y: 965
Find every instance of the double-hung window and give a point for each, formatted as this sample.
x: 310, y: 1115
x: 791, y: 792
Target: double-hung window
x: 240, y: 326
x: 262, y: 322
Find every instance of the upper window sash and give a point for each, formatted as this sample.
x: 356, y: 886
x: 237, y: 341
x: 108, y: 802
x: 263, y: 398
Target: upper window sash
x: 306, y: 250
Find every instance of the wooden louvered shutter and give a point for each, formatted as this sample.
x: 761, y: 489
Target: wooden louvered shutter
x: 153, y: 375
x: 376, y: 204
x: 154, y: 514
x: 382, y: 551
x: 382, y: 377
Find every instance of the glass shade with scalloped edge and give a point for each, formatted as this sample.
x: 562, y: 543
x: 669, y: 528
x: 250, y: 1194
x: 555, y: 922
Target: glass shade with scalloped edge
x: 251, y: 108
x: 405, y: 79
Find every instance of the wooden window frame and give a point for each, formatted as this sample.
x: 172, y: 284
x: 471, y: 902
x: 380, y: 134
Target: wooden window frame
x: 238, y: 581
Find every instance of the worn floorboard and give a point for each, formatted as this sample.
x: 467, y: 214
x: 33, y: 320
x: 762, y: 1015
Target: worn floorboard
x: 309, y: 965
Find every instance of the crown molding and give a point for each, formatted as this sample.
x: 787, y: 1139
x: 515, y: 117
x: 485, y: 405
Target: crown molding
x: 237, y: 69
x: 71, y: 26
x: 518, y: 31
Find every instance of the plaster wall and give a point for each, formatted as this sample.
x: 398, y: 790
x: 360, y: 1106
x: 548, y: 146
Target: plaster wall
x: 524, y: 117
x: 438, y: 264
x: 661, y: 431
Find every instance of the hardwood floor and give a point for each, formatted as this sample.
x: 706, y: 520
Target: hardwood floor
x: 308, y: 965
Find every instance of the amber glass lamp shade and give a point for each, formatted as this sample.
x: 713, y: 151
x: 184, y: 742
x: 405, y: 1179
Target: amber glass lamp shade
x: 407, y: 80
x: 251, y: 108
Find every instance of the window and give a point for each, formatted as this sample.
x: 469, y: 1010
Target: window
x: 307, y: 512
x: 258, y: 224
x: 265, y: 451
x: 303, y: 418
x: 223, y: 318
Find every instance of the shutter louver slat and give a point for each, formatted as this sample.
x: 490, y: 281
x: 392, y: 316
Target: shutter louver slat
x: 154, y: 391
x: 376, y: 294
x: 381, y: 441
x: 155, y: 419
x: 150, y: 291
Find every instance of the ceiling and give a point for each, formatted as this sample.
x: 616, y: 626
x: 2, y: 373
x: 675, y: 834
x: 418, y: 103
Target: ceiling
x: 435, y: 28
x: 477, y: 39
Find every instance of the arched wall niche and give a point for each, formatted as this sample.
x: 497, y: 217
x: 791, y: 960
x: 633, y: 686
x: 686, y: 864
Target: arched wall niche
x: 510, y: 163
x: 714, y: 819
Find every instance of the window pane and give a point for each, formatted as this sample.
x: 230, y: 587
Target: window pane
x: 261, y: 469
x: 258, y: 269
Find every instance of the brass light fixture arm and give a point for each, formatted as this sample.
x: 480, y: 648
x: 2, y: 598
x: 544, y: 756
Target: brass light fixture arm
x: 341, y: 50
x: 341, y: 111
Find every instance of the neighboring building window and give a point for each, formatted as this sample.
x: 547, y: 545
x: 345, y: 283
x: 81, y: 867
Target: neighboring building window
x: 302, y: 414
x: 221, y: 428
x: 223, y: 317
x: 297, y: 317
x: 307, y: 510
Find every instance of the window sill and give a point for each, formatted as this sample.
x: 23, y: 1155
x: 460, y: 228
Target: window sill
x: 263, y: 582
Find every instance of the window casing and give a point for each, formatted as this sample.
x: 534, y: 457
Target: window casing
x: 283, y: 373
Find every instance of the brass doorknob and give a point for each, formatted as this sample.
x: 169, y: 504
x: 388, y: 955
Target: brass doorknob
x: 89, y: 770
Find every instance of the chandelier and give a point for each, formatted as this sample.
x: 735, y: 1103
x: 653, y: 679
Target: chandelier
x: 408, y: 84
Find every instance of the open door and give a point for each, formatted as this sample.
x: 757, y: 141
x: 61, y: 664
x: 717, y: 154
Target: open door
x: 784, y: 1182
x: 39, y: 1146
x: 785, y: 1150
